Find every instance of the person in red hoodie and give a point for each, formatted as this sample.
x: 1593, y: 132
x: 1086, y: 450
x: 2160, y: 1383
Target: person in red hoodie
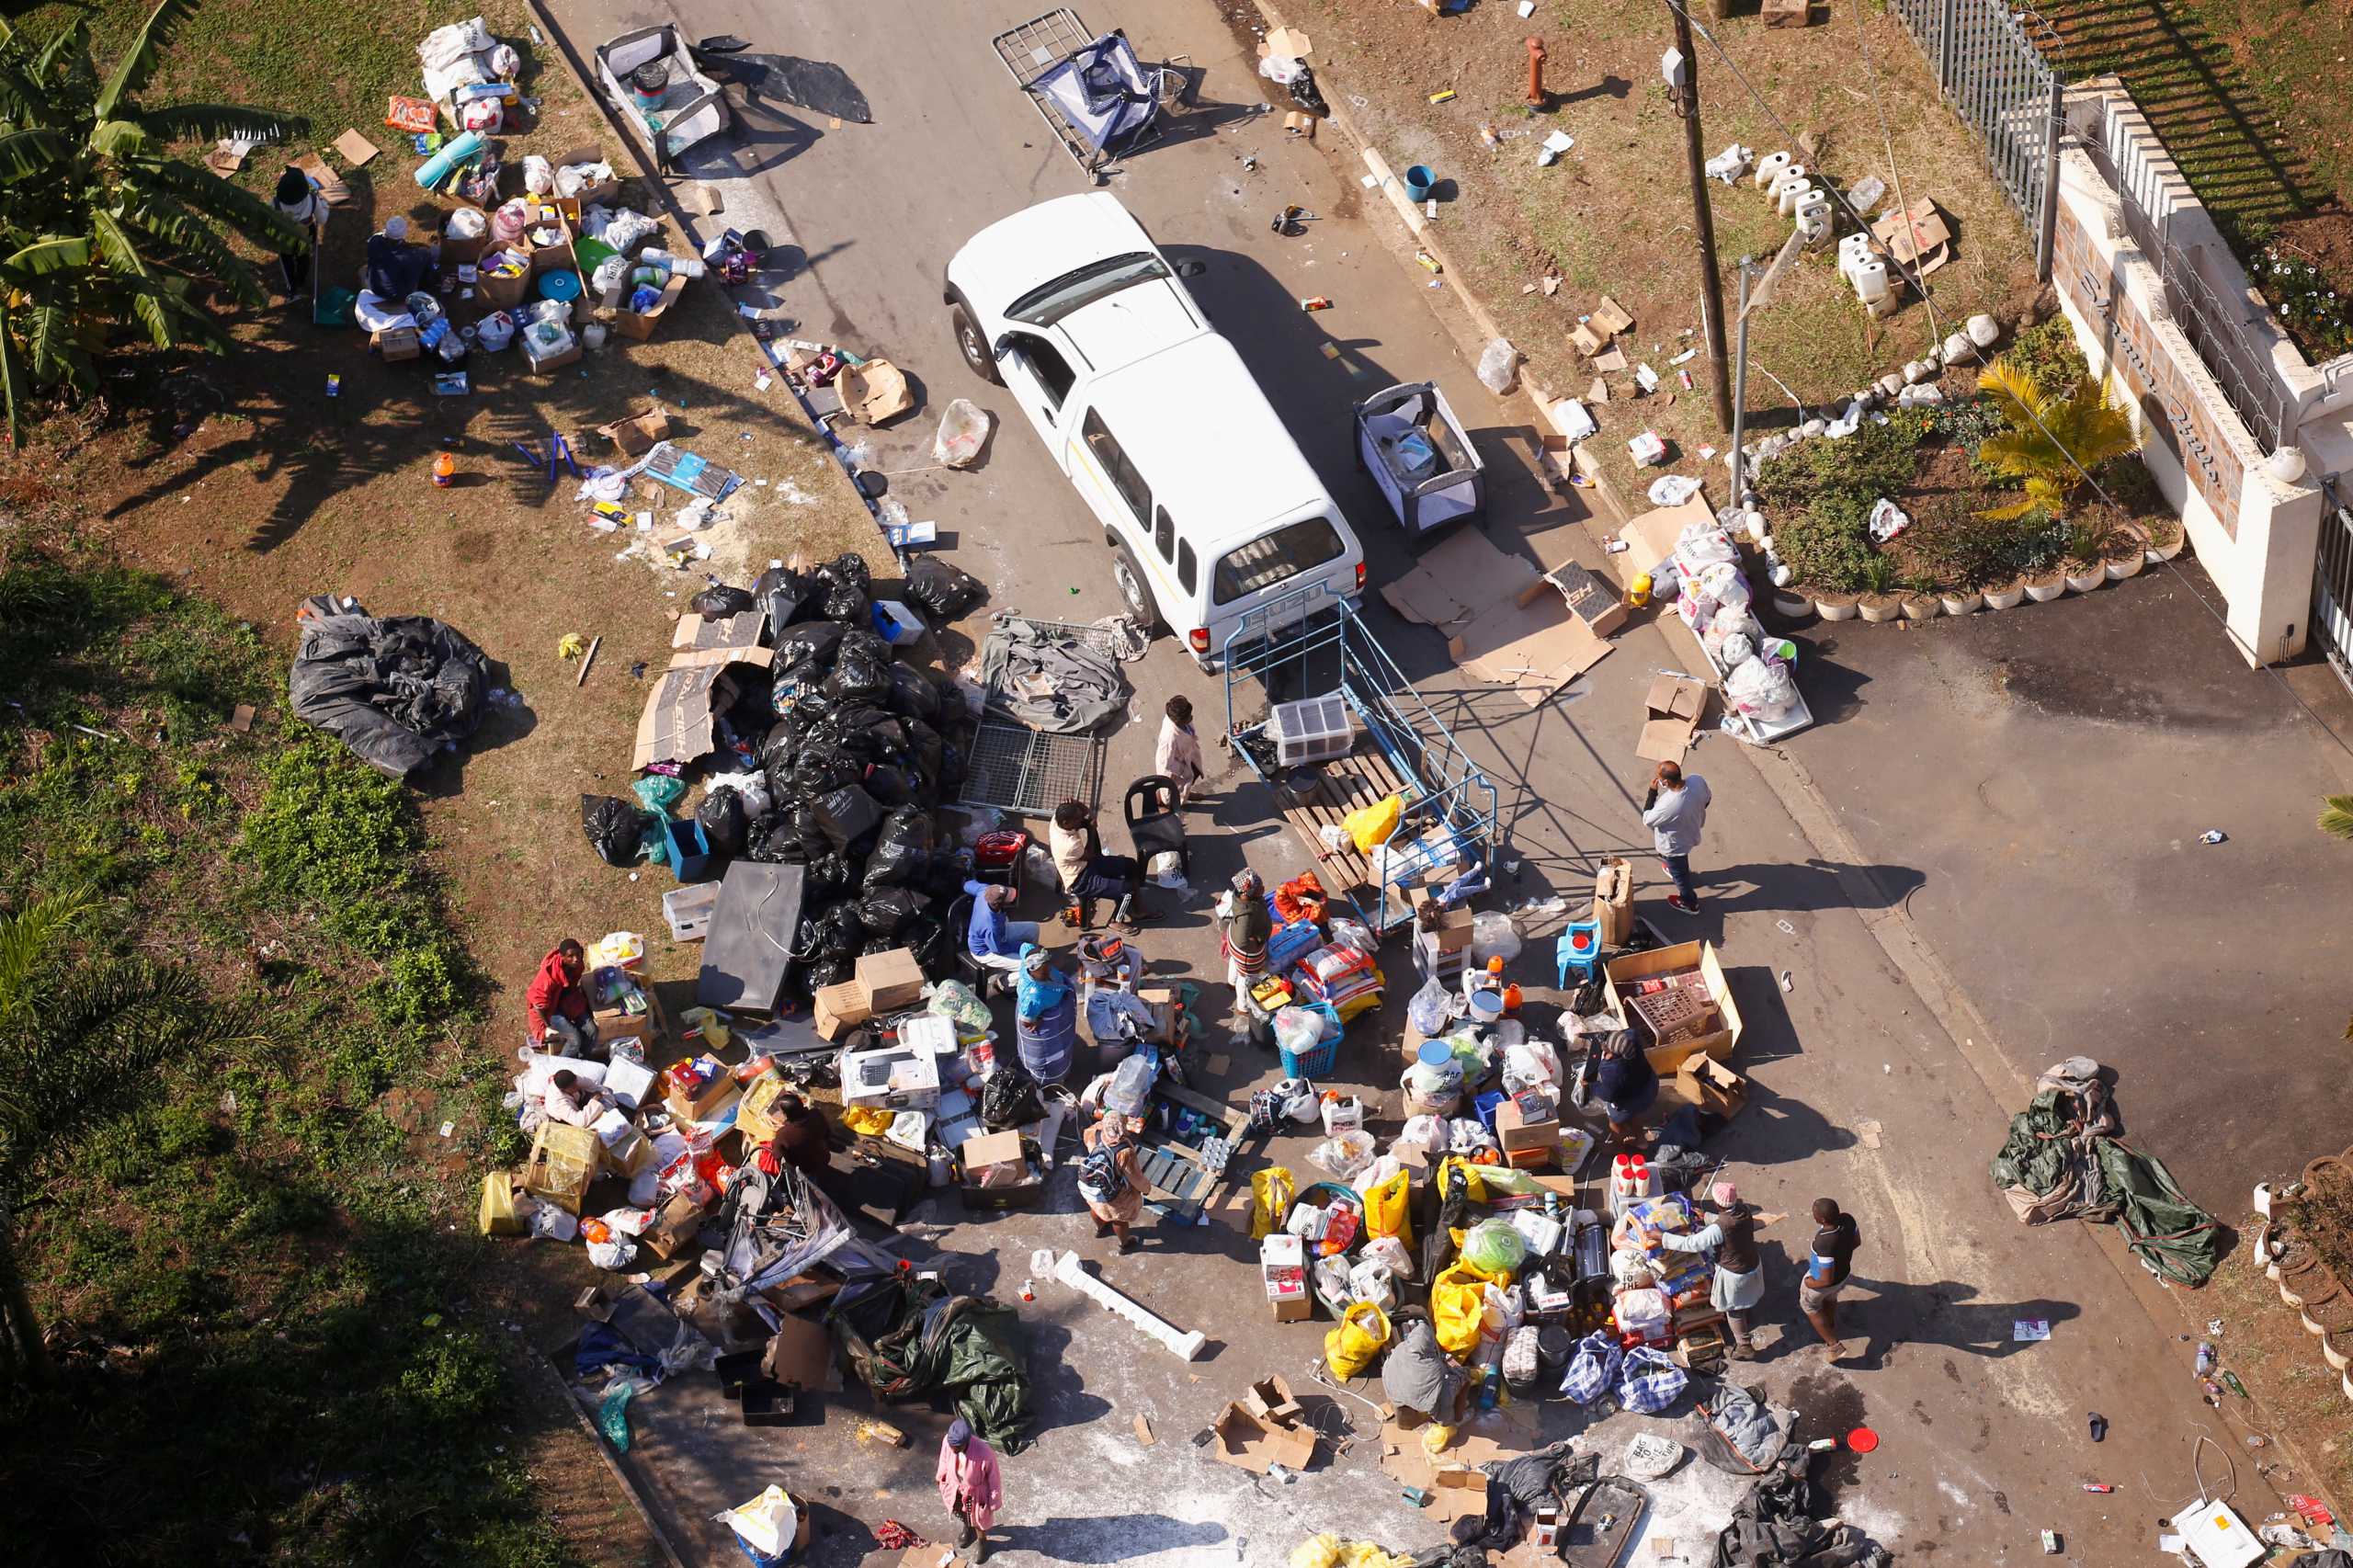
x: 556, y: 1006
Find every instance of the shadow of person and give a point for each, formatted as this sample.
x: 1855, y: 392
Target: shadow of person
x: 1808, y: 884
x: 1107, y: 1537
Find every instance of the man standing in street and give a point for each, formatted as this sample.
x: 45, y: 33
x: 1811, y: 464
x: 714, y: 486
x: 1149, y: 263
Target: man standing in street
x: 1675, y: 810
x: 1836, y: 1237
x: 970, y: 1486
x: 1731, y: 1234
x: 1178, y: 753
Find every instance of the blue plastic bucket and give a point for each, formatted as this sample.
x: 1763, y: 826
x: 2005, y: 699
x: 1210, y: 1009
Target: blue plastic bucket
x: 1419, y: 181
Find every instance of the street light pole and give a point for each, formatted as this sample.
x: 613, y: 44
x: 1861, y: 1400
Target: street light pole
x: 1682, y: 71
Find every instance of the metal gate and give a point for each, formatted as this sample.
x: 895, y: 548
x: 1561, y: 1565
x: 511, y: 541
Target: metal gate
x: 2332, y: 583
x: 1990, y: 61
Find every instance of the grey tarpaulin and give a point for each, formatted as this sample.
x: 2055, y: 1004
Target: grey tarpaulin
x: 1039, y: 676
x: 394, y: 690
x: 1417, y: 1375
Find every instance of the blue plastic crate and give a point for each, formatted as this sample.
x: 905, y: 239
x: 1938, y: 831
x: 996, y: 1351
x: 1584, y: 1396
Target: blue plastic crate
x: 1319, y: 1061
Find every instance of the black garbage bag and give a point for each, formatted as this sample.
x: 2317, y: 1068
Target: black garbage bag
x: 773, y: 840
x: 614, y: 829
x: 929, y: 754
x: 720, y: 599
x: 782, y: 595
x: 832, y: 971
x: 830, y: 875
x: 889, y: 785
x: 861, y: 669
x: 395, y: 690
x: 1009, y: 1098
x: 912, y: 692
x: 840, y: 933
x: 807, y: 649
x: 887, y: 910
x: 821, y: 771
x: 903, y: 854
x: 724, y: 821
x: 847, y: 814
x: 1306, y: 95
x: 944, y: 592
x: 843, y: 585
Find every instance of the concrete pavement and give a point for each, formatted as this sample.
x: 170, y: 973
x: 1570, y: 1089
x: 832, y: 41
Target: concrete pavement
x: 1860, y: 1093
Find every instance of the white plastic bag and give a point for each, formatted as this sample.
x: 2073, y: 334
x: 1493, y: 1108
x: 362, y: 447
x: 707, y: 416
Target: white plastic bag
x: 1167, y: 870
x: 1887, y: 520
x: 1428, y: 1009
x: 1343, y: 1155
x: 963, y: 429
x: 1531, y: 1064
x: 1298, y: 1030
x: 1389, y: 1254
x: 1493, y: 935
x: 1372, y: 1175
x: 1500, y: 367
x: 1673, y: 489
x: 539, y: 174
x: 1354, y: 934
x: 1369, y: 1281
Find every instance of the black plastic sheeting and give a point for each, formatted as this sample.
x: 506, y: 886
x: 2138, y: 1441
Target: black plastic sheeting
x: 395, y: 690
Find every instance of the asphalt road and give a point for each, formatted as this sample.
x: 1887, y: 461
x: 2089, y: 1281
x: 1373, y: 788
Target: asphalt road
x: 1859, y: 1094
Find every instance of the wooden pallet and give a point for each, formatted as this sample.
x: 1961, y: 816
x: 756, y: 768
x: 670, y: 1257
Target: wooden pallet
x: 1363, y: 777
x: 1178, y: 1184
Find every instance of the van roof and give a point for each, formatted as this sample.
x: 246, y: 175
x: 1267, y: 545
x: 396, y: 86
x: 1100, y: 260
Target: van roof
x: 1193, y: 419
x: 1020, y: 251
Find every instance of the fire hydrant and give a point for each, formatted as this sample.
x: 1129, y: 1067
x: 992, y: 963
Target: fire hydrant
x: 1536, y: 96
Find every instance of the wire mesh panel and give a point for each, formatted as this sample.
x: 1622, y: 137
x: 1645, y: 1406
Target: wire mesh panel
x: 1029, y: 772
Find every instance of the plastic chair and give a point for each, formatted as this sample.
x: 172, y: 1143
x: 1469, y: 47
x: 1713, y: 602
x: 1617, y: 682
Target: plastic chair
x: 1153, y: 807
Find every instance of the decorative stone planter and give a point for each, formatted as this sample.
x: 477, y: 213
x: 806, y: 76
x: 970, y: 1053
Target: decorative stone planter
x: 1836, y: 606
x: 1961, y: 603
x: 2304, y: 1278
x: 2086, y: 581
x: 2008, y: 597
x: 2157, y: 552
x: 2337, y: 1348
x: 1921, y: 607
x: 1796, y: 607
x: 2117, y: 570
x: 1879, y: 609
x: 2043, y: 590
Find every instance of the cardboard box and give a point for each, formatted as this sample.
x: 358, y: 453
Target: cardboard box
x: 890, y: 981
x: 459, y: 250
x: 1450, y: 929
x: 639, y: 434
x: 922, y: 1556
x: 1515, y: 1131
x: 1613, y: 901
x: 799, y: 1354
x: 1713, y: 1087
x: 678, y: 722
x: 991, y: 1149
x: 1676, y: 705
x: 639, y: 324
x: 1492, y: 606
x: 554, y: 363
x: 1271, y: 1398
x: 1294, y: 1306
x: 498, y: 1217
x: 1718, y: 1042
x: 839, y: 1009
x: 891, y: 1079
x: 1458, y: 1493
x: 496, y: 292
x: 601, y: 194
x: 396, y: 344
x: 756, y: 1117
x: 704, y: 1103
x: 1255, y: 1442
x: 674, y: 1224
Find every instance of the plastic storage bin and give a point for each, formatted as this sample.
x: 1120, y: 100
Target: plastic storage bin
x: 1314, y: 730
x: 688, y: 909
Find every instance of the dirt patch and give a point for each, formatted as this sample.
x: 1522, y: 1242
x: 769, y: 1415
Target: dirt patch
x: 1612, y: 216
x: 2296, y: 1400
x: 2306, y: 275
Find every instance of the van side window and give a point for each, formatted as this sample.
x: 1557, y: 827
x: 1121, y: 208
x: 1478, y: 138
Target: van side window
x: 1189, y: 572
x: 1123, y: 474
x: 1046, y: 362
x: 1275, y: 559
x: 1164, y: 534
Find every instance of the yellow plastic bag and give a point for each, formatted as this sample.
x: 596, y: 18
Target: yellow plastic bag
x: 868, y: 1120
x: 1476, y: 1188
x: 1357, y: 1342
x: 1317, y: 1552
x: 1385, y: 1207
x: 1368, y: 827
x: 1272, y: 1192
x: 1458, y: 1304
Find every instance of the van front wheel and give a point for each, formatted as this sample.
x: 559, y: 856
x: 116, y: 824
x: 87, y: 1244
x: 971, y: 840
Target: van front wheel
x: 974, y: 346
x: 1132, y: 588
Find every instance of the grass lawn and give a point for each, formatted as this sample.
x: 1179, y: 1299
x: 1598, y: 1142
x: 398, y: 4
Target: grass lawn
x: 277, y: 1323
x: 1613, y: 216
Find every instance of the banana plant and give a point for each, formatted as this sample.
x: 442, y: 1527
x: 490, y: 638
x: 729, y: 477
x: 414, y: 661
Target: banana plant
x: 102, y: 230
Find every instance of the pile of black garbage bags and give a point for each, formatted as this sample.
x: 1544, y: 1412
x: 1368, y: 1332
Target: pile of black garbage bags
x: 853, y: 749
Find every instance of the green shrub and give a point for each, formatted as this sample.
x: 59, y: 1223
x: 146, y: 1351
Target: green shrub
x: 453, y: 1379
x: 2047, y: 353
x: 1974, y: 551
x: 1826, y: 489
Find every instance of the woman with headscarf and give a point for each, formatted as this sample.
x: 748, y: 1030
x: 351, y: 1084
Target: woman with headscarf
x: 1245, y: 929
x: 1110, y: 1177
x: 298, y: 201
x: 1045, y: 1017
x: 970, y: 1486
x: 1731, y: 1234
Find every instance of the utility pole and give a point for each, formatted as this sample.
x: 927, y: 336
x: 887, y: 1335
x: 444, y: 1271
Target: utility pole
x: 1740, y: 392
x: 1681, y: 69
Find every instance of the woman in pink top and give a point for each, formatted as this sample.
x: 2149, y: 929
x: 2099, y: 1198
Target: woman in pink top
x: 970, y: 1487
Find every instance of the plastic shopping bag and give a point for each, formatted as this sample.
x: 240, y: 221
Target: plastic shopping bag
x: 1353, y: 1347
x: 1385, y: 1208
x: 1272, y: 1192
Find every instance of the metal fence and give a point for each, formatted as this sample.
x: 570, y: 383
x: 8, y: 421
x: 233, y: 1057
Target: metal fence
x: 2332, y: 583
x: 1989, y: 59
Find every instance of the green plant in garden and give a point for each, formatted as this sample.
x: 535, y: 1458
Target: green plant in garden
x: 2320, y: 317
x: 1975, y: 552
x: 2047, y: 353
x: 2053, y: 436
x: 101, y: 227
x: 1827, y: 489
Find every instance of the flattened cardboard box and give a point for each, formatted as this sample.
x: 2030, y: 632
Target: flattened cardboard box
x: 1676, y: 705
x: 1493, y: 606
x: 678, y: 724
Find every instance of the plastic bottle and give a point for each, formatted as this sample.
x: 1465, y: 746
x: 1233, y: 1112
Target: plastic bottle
x: 2205, y: 1358
x: 1131, y: 1087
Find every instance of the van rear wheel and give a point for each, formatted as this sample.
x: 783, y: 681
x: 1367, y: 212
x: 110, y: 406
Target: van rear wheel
x: 1136, y: 591
x: 974, y: 346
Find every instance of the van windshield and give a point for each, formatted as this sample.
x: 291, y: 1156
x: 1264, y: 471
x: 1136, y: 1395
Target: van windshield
x: 1269, y: 562
x: 1081, y: 287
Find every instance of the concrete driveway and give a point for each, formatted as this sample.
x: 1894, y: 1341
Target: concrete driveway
x: 1860, y: 1092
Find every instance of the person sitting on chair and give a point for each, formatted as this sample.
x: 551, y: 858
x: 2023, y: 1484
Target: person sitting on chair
x: 395, y: 267
x: 992, y: 940
x: 1088, y: 874
x: 556, y: 1010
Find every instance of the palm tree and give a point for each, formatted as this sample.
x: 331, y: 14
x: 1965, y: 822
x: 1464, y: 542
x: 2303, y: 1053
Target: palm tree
x: 2336, y: 816
x: 82, y: 1041
x: 100, y: 225
x: 2053, y: 438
